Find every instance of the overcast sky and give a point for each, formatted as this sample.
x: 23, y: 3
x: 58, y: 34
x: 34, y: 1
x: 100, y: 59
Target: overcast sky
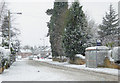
x: 32, y: 22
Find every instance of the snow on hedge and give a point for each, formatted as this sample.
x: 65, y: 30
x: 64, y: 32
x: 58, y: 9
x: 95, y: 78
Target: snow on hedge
x: 80, y: 56
x: 4, y: 52
x: 116, y: 53
x: 1, y: 51
x: 7, y: 53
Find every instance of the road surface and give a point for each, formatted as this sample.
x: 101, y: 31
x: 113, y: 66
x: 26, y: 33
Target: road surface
x: 29, y: 70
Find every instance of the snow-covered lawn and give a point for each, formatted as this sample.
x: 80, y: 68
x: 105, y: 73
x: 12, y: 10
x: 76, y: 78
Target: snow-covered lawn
x: 83, y: 67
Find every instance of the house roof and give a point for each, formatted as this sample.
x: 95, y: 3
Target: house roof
x: 25, y: 51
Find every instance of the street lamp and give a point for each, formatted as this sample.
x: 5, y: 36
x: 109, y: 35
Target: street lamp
x: 9, y: 17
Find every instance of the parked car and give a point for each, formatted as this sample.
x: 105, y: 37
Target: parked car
x: 31, y: 57
x: 35, y: 56
x: 38, y: 56
x: 49, y: 57
x: 19, y: 57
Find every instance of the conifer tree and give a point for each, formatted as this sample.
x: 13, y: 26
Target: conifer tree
x: 75, y: 32
x: 56, y: 27
x: 109, y: 24
x: 5, y: 32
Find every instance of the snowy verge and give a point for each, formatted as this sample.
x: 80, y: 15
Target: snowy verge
x: 81, y: 67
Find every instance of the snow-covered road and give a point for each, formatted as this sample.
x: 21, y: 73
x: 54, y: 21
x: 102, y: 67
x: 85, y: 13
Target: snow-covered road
x: 37, y: 71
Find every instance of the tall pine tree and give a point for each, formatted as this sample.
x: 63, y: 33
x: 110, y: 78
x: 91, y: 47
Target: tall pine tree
x: 109, y: 25
x: 56, y: 27
x: 75, y: 34
x: 5, y: 32
x: 9, y: 36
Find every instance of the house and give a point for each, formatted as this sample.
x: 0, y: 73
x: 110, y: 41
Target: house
x: 46, y: 52
x: 25, y: 53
